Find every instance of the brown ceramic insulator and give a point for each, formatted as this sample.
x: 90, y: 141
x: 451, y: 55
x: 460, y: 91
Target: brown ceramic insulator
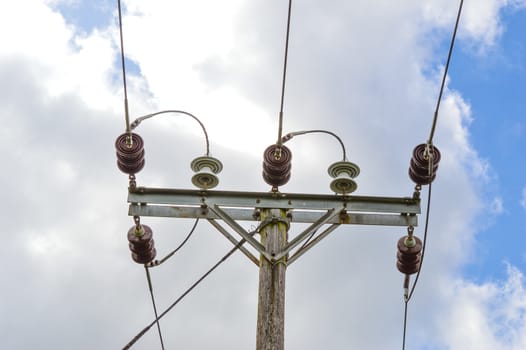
x: 419, y: 170
x: 408, y: 258
x: 130, y: 158
x: 142, y: 246
x: 276, y: 171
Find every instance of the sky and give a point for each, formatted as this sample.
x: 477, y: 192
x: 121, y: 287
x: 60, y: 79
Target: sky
x: 368, y: 71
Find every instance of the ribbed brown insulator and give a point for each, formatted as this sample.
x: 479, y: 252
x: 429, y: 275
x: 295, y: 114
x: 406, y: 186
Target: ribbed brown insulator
x: 408, y: 257
x: 419, y: 170
x: 276, y: 171
x: 141, y: 244
x: 130, y: 158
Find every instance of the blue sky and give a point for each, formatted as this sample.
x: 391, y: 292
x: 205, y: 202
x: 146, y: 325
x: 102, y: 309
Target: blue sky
x: 368, y: 71
x: 494, y: 83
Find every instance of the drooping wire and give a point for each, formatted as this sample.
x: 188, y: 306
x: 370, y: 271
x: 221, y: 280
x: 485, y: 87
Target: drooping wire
x: 195, y: 284
x: 150, y: 287
x: 296, y: 133
x: 123, y: 65
x: 430, y: 143
x: 284, y: 78
x: 408, y: 296
x: 139, y: 120
x: 424, y: 240
x: 159, y: 262
x: 435, y: 117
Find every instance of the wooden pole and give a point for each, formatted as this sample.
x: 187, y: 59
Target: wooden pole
x: 271, y: 297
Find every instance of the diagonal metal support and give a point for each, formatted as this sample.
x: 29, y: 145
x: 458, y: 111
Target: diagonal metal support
x: 232, y: 239
x: 311, y: 244
x: 312, y: 228
x: 242, y: 232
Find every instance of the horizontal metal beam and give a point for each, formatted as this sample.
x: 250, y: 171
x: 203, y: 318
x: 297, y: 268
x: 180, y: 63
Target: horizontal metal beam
x: 277, y: 200
x: 246, y: 214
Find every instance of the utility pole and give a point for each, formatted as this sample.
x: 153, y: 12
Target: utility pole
x: 270, y: 333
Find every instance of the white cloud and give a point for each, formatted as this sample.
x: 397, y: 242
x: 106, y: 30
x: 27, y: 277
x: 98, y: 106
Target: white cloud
x: 497, y: 206
x: 523, y: 200
x: 491, y: 315
x: 480, y: 23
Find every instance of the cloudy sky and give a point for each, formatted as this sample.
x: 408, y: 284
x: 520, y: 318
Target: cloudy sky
x: 367, y: 70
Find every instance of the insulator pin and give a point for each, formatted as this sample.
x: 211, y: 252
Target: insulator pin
x: 277, y: 165
x: 141, y: 244
x: 420, y: 170
x: 409, y: 255
x: 130, y: 155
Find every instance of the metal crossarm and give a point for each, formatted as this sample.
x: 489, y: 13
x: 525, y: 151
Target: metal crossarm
x: 185, y: 202
x: 247, y: 214
x: 316, y: 209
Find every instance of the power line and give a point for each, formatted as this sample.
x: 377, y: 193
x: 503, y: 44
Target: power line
x: 435, y: 117
x: 123, y: 65
x: 426, y: 227
x: 195, y: 284
x: 150, y: 287
x: 431, y: 165
x: 285, y: 59
x: 296, y: 133
x: 159, y: 262
x: 429, y: 148
x: 139, y: 120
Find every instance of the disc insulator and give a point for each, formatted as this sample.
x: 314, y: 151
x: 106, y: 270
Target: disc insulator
x: 142, y: 244
x: 409, y: 256
x: 205, y: 169
x: 276, y: 171
x: 420, y: 170
x: 343, y: 173
x: 130, y: 156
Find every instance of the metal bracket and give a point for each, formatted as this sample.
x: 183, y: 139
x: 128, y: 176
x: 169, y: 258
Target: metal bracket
x: 242, y: 232
x: 302, y: 236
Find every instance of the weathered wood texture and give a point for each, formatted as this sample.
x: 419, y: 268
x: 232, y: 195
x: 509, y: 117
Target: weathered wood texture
x: 270, y: 333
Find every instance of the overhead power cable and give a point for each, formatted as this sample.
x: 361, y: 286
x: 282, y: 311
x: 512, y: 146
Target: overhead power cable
x: 123, y: 65
x: 284, y: 78
x: 159, y: 262
x: 139, y: 120
x: 296, y: 133
x: 409, y: 293
x: 150, y: 287
x: 444, y: 76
